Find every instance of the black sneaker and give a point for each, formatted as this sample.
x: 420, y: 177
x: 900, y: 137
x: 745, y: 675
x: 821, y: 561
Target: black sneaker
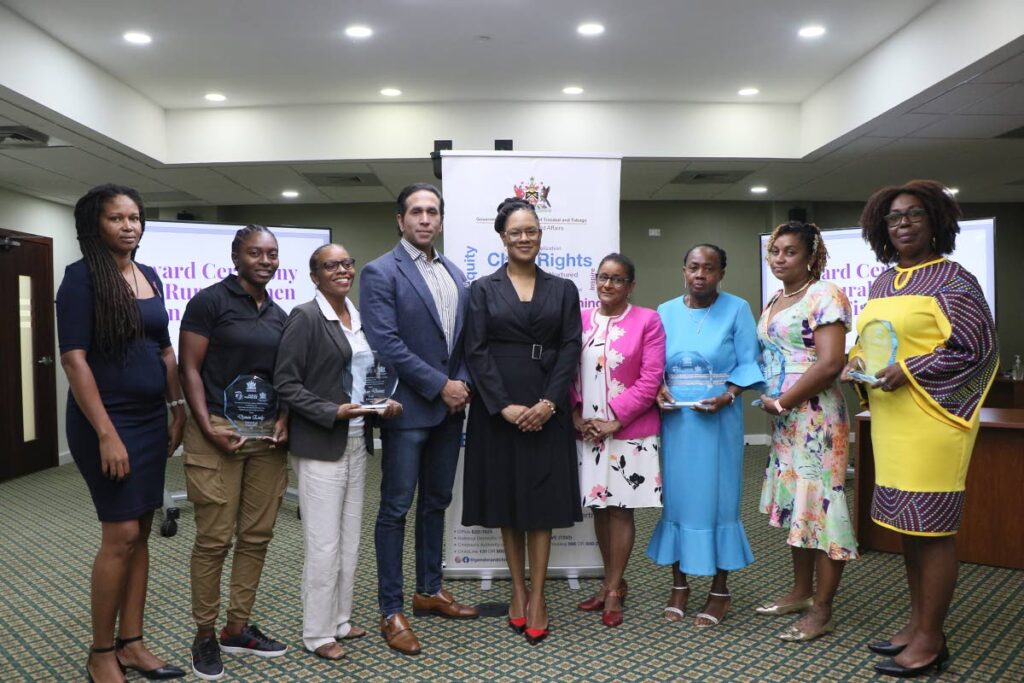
x: 206, y: 659
x: 251, y: 641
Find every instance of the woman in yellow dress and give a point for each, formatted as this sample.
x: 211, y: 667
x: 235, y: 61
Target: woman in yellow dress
x: 924, y: 406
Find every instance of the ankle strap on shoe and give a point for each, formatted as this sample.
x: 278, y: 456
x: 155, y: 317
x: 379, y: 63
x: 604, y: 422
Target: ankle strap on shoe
x: 101, y: 650
x: 720, y: 595
x: 121, y: 642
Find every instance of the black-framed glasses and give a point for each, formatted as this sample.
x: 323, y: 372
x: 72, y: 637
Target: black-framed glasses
x: 914, y: 215
x: 331, y: 266
x: 615, y: 280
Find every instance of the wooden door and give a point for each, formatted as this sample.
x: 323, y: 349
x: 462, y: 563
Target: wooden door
x: 28, y: 363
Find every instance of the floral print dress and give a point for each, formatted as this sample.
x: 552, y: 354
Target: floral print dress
x: 617, y: 472
x: 804, y: 481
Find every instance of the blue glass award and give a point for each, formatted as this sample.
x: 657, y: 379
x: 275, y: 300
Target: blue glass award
x: 689, y: 378
x: 773, y: 367
x: 381, y: 383
x: 250, y: 405
x: 879, y: 344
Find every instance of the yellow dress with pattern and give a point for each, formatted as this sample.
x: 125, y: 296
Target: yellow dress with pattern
x: 923, y: 432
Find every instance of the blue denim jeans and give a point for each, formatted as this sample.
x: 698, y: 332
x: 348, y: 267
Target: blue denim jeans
x: 411, y: 457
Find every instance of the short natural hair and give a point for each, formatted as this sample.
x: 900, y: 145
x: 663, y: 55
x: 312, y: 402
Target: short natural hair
x: 713, y: 247
x: 943, y: 215
x: 810, y: 236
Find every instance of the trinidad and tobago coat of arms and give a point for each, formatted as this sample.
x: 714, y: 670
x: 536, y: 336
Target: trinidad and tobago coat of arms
x: 533, y: 191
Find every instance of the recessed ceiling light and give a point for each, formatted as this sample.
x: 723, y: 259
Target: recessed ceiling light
x: 758, y: 189
x: 811, y: 32
x: 358, y: 31
x: 572, y: 90
x: 590, y: 28
x: 215, y: 97
x: 289, y: 194
x: 390, y: 92
x: 953, y: 190
x: 748, y: 92
x: 137, y: 38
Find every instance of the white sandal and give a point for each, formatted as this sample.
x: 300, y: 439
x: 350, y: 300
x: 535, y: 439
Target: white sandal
x: 715, y: 621
x: 675, y: 610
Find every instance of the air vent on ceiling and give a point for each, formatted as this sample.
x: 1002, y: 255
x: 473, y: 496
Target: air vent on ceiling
x: 175, y: 196
x: 1015, y: 134
x: 343, y: 179
x: 709, y: 177
x: 22, y: 137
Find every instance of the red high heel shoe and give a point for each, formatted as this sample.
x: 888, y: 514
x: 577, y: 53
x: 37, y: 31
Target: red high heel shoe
x: 535, y: 635
x: 596, y: 603
x: 614, y: 617
x: 518, y: 624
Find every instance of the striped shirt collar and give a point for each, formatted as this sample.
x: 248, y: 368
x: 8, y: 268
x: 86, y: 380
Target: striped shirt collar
x: 415, y: 253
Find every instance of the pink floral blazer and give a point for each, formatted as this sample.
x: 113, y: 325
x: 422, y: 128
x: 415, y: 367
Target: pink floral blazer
x: 634, y: 370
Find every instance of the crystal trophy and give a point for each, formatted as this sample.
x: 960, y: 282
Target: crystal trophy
x: 773, y: 367
x: 250, y: 405
x: 689, y: 378
x: 381, y: 383
x: 879, y: 345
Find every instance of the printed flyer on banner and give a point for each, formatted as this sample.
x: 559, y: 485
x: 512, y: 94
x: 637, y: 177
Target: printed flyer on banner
x: 577, y: 202
x: 576, y: 198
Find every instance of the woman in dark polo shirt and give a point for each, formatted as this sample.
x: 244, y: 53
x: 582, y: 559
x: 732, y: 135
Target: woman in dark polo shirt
x: 234, y: 471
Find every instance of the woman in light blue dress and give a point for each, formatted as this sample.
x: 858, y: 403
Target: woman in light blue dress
x: 702, y: 445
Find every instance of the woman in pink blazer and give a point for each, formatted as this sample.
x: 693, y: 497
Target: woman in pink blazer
x: 617, y: 420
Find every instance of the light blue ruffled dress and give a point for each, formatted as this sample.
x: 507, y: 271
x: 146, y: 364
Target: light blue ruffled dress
x: 702, y: 454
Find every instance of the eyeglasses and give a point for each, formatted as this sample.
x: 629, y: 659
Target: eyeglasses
x: 616, y: 280
x: 529, y: 233
x: 914, y: 215
x: 331, y: 266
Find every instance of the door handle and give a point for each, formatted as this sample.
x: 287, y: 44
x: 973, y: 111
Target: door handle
x: 46, y: 360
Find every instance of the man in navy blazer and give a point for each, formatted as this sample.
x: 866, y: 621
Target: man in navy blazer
x: 413, y: 303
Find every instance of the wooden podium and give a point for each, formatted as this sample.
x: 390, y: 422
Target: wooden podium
x: 992, y: 530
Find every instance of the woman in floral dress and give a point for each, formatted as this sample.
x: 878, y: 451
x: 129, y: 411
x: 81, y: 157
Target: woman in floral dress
x: 804, y: 480
x: 617, y: 421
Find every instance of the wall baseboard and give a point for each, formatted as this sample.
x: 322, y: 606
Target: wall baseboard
x: 64, y: 458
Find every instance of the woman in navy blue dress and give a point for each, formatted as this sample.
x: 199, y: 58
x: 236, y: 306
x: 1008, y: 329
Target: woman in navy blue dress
x: 115, y: 350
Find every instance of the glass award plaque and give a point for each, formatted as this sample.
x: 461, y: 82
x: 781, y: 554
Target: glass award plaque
x: 879, y: 343
x: 381, y: 383
x: 773, y: 367
x: 250, y: 405
x: 689, y: 378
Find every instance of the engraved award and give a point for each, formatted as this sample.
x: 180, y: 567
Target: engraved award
x: 879, y: 343
x: 250, y: 405
x: 773, y: 367
x: 689, y: 379
x: 381, y: 383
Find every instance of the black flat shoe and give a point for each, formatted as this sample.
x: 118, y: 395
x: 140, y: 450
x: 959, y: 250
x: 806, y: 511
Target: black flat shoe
x: 161, y: 673
x: 886, y: 648
x: 100, y: 651
x: 889, y: 667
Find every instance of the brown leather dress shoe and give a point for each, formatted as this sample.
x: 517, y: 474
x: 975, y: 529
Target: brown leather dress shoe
x: 399, y: 635
x: 443, y: 605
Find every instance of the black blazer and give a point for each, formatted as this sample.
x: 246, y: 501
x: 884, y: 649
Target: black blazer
x: 313, y: 376
x: 501, y: 336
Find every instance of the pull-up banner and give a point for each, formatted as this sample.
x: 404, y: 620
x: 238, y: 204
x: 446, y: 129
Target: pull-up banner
x: 577, y: 202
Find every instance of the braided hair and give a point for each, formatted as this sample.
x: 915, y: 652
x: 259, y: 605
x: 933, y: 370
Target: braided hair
x: 245, y: 233
x: 507, y: 208
x: 116, y: 318
x: 810, y: 236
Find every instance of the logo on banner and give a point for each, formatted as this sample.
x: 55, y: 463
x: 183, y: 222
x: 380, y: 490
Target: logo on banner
x: 534, y: 192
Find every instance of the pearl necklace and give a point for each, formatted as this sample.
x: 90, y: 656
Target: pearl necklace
x: 806, y: 285
x: 707, y: 311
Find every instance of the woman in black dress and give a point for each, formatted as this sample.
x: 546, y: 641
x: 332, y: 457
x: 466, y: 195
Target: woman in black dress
x: 115, y: 350
x: 523, y: 340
